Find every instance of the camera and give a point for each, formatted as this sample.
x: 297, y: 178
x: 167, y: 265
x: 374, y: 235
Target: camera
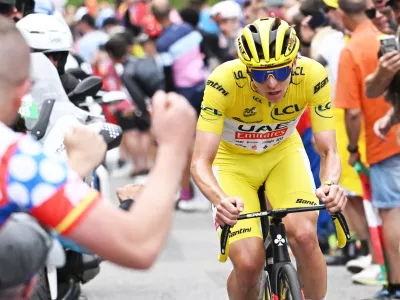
x: 389, y: 43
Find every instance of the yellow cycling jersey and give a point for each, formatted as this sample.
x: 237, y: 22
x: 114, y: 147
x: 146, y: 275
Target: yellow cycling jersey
x: 247, y: 122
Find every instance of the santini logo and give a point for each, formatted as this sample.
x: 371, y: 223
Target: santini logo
x: 218, y: 87
x: 242, y: 230
x: 302, y: 201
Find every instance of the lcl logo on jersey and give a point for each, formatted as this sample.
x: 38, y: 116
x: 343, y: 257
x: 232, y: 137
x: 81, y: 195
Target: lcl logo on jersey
x: 324, y: 111
x: 299, y: 71
x: 209, y: 113
x: 240, y: 79
x: 286, y: 113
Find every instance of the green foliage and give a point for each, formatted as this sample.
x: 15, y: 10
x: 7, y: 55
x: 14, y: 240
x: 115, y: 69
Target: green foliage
x: 181, y: 3
x: 175, y: 3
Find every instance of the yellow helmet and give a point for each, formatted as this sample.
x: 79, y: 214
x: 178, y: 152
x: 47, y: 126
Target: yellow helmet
x: 268, y: 43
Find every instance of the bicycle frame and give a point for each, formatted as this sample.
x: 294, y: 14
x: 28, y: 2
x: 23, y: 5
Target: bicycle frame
x: 274, y: 235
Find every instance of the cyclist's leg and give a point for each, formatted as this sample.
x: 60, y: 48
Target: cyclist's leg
x: 246, y: 249
x: 290, y: 184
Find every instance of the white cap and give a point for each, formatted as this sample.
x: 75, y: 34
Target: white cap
x: 226, y: 10
x: 80, y: 12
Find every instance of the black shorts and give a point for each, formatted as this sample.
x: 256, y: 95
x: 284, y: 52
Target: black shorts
x: 126, y: 122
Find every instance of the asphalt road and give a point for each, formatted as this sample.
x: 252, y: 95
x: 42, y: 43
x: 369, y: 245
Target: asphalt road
x: 188, y: 269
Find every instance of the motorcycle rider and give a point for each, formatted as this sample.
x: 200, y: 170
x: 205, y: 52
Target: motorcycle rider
x: 50, y: 35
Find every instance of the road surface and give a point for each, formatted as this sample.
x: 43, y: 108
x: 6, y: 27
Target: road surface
x: 188, y: 269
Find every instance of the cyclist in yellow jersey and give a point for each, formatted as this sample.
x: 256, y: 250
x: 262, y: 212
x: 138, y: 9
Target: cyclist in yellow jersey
x: 247, y: 136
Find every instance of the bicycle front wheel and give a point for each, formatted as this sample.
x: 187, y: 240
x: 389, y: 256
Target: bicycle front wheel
x: 265, y: 287
x: 289, y: 284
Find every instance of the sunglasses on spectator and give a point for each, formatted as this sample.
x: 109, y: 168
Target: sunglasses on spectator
x: 371, y: 12
x: 280, y: 74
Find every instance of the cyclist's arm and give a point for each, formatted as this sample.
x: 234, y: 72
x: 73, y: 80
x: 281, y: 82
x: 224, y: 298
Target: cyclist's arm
x: 44, y: 187
x: 205, y: 149
x: 331, y: 167
x: 209, y: 130
x: 322, y: 122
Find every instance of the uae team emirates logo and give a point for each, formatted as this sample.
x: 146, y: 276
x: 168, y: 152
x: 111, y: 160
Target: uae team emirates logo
x: 263, y: 132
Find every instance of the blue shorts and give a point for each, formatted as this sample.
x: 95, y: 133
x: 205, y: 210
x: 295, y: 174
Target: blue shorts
x: 385, y: 183
x: 194, y: 95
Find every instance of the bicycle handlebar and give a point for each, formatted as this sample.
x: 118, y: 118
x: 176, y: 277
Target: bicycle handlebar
x: 342, y: 230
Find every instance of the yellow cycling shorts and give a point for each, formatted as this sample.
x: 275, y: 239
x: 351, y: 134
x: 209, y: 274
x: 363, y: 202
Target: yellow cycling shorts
x: 286, y: 171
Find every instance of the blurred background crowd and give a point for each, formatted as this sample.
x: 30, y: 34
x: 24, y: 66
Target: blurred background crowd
x: 142, y: 46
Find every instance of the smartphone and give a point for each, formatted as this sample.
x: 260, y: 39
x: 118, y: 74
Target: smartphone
x: 318, y: 19
x: 388, y: 43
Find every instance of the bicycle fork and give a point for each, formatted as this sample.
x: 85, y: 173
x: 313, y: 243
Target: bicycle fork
x: 277, y: 253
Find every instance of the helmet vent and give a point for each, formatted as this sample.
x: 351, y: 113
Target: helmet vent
x: 276, y: 24
x: 246, y: 47
x: 286, y: 40
x: 253, y: 28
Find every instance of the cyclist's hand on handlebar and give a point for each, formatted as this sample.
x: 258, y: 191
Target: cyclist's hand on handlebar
x: 333, y: 197
x: 228, y: 210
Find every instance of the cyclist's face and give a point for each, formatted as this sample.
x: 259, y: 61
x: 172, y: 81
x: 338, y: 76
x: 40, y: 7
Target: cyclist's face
x: 274, y: 87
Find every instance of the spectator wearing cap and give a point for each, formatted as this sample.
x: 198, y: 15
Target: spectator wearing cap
x: 106, y: 11
x: 179, y: 49
x: 358, y: 60
x: 228, y: 15
x: 91, y: 38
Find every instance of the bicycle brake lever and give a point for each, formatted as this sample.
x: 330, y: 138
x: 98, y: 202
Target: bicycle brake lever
x: 342, y: 230
x: 223, y: 256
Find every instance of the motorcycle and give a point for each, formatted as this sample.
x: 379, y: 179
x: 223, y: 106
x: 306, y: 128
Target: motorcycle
x: 49, y: 119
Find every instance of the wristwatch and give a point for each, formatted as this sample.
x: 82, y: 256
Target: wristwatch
x: 352, y: 150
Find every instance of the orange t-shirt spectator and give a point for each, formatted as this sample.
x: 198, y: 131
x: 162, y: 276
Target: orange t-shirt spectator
x: 357, y: 60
